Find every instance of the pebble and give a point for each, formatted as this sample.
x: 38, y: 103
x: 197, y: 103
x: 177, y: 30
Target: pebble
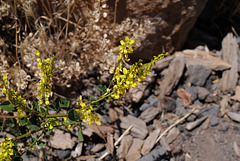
x: 193, y: 91
x: 154, y: 155
x: 171, y: 105
x: 178, y: 103
x: 192, y: 125
x: 234, y: 116
x: 181, y: 111
x: 63, y: 154
x: 202, y: 93
x: 191, y: 118
x: 211, y: 110
x: 214, y: 121
x: 197, y: 102
x: 198, y: 74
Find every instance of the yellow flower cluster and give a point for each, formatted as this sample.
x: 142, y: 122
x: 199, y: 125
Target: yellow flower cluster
x: 65, y: 120
x: 51, y: 122
x: 6, y: 149
x: 124, y: 78
x: 46, y: 66
x: 14, y: 98
x: 86, y: 113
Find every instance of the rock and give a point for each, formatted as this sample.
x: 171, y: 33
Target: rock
x: 171, y: 105
x: 197, y: 102
x: 124, y: 147
x: 139, y: 128
x: 207, y: 59
x: 154, y: 155
x: 169, y: 23
x: 61, y: 140
x: 144, y: 106
x: 150, y: 142
x: 202, y: 93
x: 153, y: 101
x: 198, y: 74
x: 172, y: 135
x: 78, y: 150
x: 63, y: 154
x: 134, y: 151
x: 149, y: 114
x: 185, y: 97
x: 162, y: 63
x: 192, y: 125
x: 191, y: 118
x: 181, y: 111
x: 211, y: 110
x: 97, y: 148
x: 234, y: 116
x: 193, y: 91
x: 230, y: 54
x: 171, y: 79
x: 26, y: 157
x: 214, y: 121
x: 179, y: 103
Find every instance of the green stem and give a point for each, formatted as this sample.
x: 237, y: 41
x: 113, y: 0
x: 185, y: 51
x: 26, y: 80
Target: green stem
x: 42, y: 134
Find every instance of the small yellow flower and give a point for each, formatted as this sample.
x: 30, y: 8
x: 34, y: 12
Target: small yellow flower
x: 37, y: 52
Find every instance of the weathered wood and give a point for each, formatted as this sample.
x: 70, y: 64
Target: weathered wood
x: 230, y: 54
x: 206, y: 59
x: 173, y: 75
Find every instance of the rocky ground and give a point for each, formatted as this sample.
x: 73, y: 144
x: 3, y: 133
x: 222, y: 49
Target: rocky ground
x: 186, y: 110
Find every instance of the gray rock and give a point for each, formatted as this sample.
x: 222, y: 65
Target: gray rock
x: 153, y: 101
x: 154, y: 155
x: 211, y: 110
x: 144, y: 106
x: 181, y: 111
x: 214, y: 121
x: 63, y: 154
x: 178, y: 103
x: 198, y: 74
x: 197, y: 102
x: 202, y: 93
x: 191, y: 118
x: 171, y: 105
x: 193, y: 91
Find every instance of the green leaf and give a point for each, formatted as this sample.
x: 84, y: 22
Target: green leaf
x: 80, y: 135
x: 23, y: 121
x: 35, y: 105
x: 41, y: 144
x: 10, y: 122
x: 53, y: 107
x: 62, y: 102
x: 17, y: 159
x: 7, y: 106
x: 101, y: 88
x: 73, y: 115
x: 33, y: 123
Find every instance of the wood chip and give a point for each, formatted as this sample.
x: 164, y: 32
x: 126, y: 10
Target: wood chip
x: 97, y: 148
x: 224, y: 105
x: 206, y: 59
x: 192, y: 125
x: 113, y: 114
x: 171, y: 79
x: 134, y: 151
x: 110, y: 146
x: 172, y: 135
x: 139, y: 128
x: 163, y: 63
x: 124, y: 147
x: 150, y: 142
x: 149, y: 114
x: 230, y: 54
x: 236, y: 149
x: 234, y: 116
x: 237, y: 94
x: 185, y: 97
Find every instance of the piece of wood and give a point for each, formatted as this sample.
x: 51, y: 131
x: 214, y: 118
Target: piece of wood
x: 171, y: 79
x: 230, y: 54
x: 206, y: 59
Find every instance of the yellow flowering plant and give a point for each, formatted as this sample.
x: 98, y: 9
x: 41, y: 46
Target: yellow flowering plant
x: 36, y: 117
